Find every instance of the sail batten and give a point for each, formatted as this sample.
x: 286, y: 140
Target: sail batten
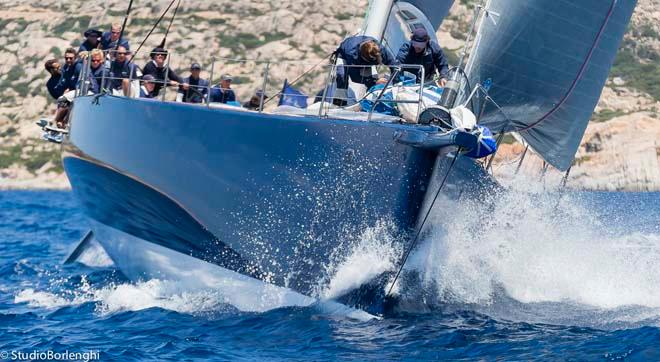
x: 548, y: 61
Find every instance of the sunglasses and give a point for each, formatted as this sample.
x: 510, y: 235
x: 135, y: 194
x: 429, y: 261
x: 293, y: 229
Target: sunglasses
x: 116, y: 32
x: 68, y: 58
x: 122, y: 53
x: 97, y: 60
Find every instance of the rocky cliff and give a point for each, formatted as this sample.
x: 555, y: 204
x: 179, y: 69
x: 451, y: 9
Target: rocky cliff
x: 619, y: 149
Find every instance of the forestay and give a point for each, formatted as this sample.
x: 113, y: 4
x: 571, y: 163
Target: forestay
x: 548, y: 61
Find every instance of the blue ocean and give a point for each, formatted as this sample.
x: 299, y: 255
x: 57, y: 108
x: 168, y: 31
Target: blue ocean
x: 575, y: 277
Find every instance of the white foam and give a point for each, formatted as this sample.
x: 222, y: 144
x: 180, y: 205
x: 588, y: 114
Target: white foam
x: 375, y: 252
x: 537, y: 251
x: 157, y: 294
x: 121, y: 297
x: 39, y: 299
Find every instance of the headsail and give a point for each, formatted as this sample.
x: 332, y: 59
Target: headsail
x: 434, y: 10
x: 406, y: 16
x: 548, y: 61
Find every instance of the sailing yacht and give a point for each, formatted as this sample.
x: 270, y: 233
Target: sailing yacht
x: 264, y: 202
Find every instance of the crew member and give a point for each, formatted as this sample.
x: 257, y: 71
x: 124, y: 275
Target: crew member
x: 423, y: 51
x: 92, y: 40
x: 148, y: 86
x: 110, y: 38
x: 96, y: 71
x: 255, y: 101
x: 223, y: 93
x: 194, y: 89
x: 364, y: 52
x: 158, y: 69
x: 121, y: 71
x: 53, y: 84
x: 70, y: 70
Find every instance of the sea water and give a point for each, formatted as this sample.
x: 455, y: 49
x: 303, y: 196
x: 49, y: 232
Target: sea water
x: 527, y: 275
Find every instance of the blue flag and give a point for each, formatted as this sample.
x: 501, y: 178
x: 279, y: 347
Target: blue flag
x: 292, y: 97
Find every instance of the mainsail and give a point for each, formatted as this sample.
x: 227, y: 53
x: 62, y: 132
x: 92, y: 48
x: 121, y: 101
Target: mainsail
x: 547, y: 61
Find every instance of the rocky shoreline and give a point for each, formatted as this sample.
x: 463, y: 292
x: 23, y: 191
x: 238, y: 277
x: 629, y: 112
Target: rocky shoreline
x: 620, y: 150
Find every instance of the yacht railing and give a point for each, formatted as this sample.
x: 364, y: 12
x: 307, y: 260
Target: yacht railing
x: 268, y: 79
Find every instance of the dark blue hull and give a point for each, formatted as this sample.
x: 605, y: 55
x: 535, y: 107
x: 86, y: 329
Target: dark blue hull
x: 271, y: 197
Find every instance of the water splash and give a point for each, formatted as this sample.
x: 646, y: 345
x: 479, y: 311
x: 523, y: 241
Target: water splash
x: 120, y: 297
x: 532, y: 246
x: 375, y: 251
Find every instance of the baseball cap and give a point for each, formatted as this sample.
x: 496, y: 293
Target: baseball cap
x: 93, y: 32
x: 226, y: 77
x: 195, y: 66
x: 420, y: 37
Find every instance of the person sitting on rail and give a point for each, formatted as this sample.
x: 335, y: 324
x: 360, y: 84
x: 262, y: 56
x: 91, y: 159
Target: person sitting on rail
x: 110, y: 38
x: 422, y: 50
x: 57, y: 87
x: 194, y: 89
x: 159, y: 70
x: 92, y: 40
x: 255, y: 101
x: 148, y: 86
x: 54, y: 84
x: 122, y: 71
x: 70, y: 70
x: 222, y: 93
x: 359, y: 54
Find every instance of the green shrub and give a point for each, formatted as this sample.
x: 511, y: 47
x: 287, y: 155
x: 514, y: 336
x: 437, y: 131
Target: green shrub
x: 11, y: 131
x: 344, y: 16
x: 606, y: 115
x: 57, y: 52
x: 76, y: 25
x: 451, y: 56
x: 37, y: 159
x: 9, y: 156
x: 642, y: 76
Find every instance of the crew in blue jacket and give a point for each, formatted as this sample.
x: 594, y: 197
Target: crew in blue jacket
x: 222, y: 93
x: 70, y: 70
x: 422, y: 50
x: 364, y: 51
x: 53, y: 84
x: 194, y: 89
x: 110, y: 38
x: 92, y: 40
x: 97, y: 72
x: 122, y: 71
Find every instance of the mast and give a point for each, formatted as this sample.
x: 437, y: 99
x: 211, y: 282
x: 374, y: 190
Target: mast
x: 377, y: 17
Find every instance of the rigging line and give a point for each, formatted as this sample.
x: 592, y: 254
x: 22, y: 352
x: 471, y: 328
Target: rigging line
x: 123, y: 25
x: 522, y: 158
x: 152, y: 30
x: 497, y: 147
x: 583, y: 68
x: 562, y: 187
x: 176, y: 9
x: 421, y: 227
